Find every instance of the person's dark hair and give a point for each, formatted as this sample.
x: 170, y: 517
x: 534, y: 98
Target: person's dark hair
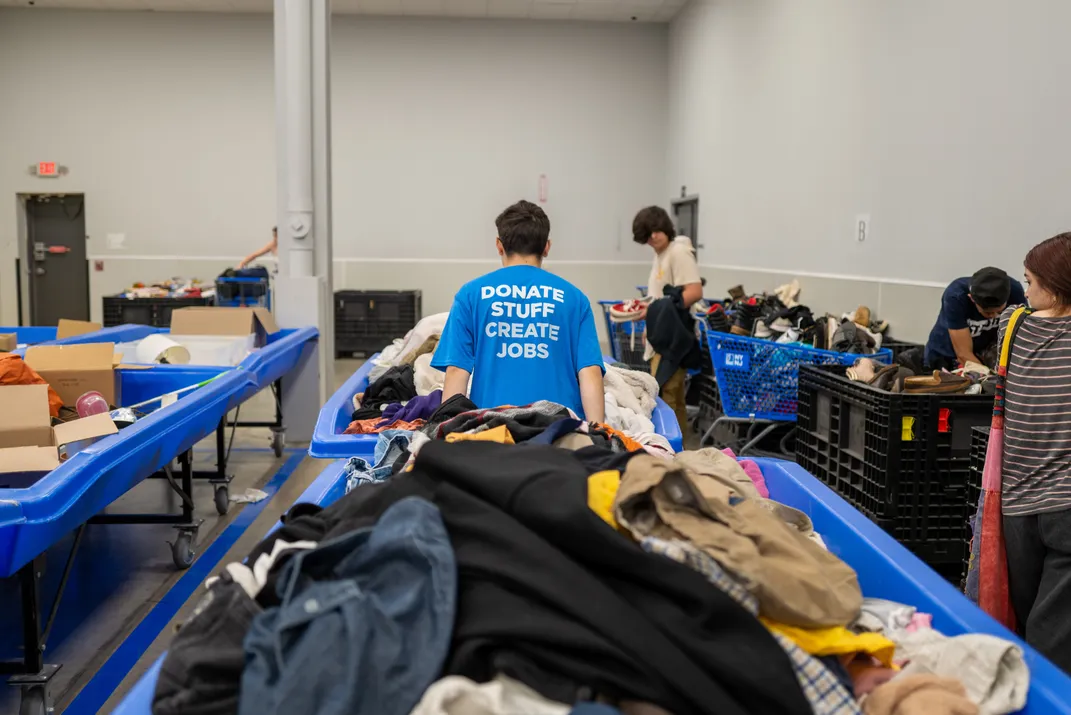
x: 523, y: 229
x: 990, y: 287
x: 649, y: 220
x: 275, y: 229
x: 1050, y: 262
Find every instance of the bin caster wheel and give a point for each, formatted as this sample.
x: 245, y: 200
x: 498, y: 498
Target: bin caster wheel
x: 278, y: 441
x: 223, y: 499
x: 33, y: 702
x: 182, y: 550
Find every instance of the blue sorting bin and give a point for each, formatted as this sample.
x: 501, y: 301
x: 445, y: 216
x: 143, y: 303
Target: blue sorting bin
x: 329, y: 442
x: 34, y: 517
x: 30, y: 335
x: 885, y: 569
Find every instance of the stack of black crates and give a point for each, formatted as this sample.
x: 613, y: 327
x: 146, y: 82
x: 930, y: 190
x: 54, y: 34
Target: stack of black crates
x: 368, y: 320
x: 120, y: 310
x: 902, y: 460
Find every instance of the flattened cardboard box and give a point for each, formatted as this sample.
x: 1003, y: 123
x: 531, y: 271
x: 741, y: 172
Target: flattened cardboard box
x: 73, y: 370
x: 207, y: 320
x: 8, y: 342
x: 29, y: 445
x: 70, y: 328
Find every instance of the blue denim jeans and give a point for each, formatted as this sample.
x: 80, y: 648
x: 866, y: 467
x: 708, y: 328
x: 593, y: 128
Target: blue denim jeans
x: 391, y: 444
x: 364, y: 625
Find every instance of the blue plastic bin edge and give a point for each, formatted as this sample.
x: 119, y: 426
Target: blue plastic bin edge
x: 328, y: 442
x: 887, y: 569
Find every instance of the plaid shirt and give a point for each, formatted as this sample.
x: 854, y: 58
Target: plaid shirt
x: 823, y: 691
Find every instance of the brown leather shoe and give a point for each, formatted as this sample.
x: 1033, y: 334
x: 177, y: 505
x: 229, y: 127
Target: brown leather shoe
x: 939, y: 382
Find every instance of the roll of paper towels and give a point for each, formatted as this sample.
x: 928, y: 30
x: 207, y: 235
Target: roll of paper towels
x: 159, y: 348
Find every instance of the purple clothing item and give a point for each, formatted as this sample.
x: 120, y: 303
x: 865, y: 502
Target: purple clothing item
x: 418, y: 408
x: 753, y: 471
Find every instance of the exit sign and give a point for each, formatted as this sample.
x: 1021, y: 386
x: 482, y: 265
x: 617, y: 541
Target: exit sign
x: 47, y: 168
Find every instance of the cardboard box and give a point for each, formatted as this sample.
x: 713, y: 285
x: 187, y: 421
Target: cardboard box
x: 29, y: 444
x: 73, y: 370
x: 69, y: 328
x: 207, y: 320
x: 8, y: 342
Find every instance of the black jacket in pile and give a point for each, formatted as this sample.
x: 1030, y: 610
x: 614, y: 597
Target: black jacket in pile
x: 671, y: 332
x: 553, y: 596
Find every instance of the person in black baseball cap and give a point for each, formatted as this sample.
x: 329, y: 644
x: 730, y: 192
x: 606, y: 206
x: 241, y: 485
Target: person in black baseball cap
x: 970, y: 316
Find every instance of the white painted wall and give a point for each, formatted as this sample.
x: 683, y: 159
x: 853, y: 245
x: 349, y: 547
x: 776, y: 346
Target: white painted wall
x: 945, y: 121
x: 167, y: 124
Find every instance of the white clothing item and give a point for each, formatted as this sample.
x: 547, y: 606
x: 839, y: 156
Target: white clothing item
x: 427, y: 327
x: 879, y: 615
x: 643, y: 385
x: 252, y: 580
x: 991, y: 669
x: 426, y: 378
x: 789, y: 293
x: 654, y: 443
x: 624, y: 419
x: 456, y: 695
x: 388, y: 357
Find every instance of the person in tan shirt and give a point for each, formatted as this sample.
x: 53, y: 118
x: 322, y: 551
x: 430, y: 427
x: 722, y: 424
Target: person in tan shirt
x: 674, y: 264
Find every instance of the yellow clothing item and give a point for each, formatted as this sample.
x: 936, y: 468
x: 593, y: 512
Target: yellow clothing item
x: 836, y: 640
x: 602, y: 489
x: 500, y: 434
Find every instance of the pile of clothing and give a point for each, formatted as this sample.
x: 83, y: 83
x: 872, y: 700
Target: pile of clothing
x: 782, y: 318
x: 404, y: 391
x: 971, y: 379
x: 490, y: 578
x: 172, y: 288
x: 458, y: 419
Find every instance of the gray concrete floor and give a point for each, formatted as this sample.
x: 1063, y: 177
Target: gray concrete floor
x: 94, y: 640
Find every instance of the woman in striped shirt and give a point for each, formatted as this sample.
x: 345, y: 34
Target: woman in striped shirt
x: 1037, y: 454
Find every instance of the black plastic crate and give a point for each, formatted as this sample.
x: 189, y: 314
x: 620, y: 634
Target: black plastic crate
x: 902, y: 460
x: 898, y: 346
x: 366, y: 321
x: 119, y: 310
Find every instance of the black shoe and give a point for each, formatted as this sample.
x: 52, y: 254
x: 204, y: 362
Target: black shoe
x: 718, y: 321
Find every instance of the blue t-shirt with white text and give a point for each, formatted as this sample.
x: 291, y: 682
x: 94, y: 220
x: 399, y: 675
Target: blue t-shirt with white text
x: 523, y: 334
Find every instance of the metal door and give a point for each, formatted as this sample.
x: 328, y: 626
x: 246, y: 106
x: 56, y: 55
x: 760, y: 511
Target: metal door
x: 56, y: 258
x: 686, y: 211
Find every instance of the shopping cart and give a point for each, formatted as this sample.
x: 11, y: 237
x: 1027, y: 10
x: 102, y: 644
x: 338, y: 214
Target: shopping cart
x: 757, y: 382
x: 627, y: 340
x: 249, y: 290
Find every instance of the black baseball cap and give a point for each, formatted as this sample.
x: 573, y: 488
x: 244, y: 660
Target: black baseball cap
x: 990, y: 287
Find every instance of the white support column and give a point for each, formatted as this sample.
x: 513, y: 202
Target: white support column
x: 303, y: 131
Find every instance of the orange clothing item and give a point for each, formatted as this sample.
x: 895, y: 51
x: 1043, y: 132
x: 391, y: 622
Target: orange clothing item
x: 630, y: 444
x: 500, y: 434
x: 369, y: 426
x: 14, y: 371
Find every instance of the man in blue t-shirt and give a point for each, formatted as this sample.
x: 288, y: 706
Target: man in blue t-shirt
x: 523, y: 334
x: 970, y: 315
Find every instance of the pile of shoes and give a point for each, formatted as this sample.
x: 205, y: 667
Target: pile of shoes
x: 973, y: 379
x: 779, y: 316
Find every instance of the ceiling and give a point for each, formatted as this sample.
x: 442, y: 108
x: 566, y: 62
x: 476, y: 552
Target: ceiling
x: 590, y: 10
